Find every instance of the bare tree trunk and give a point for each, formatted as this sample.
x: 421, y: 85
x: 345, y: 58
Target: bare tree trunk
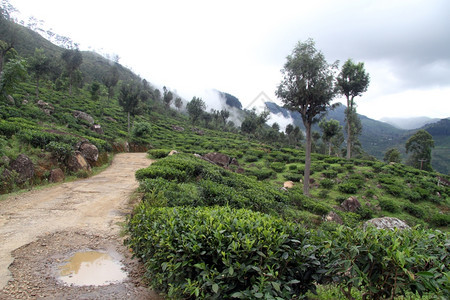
x: 307, y: 160
x: 329, y: 148
x: 128, y: 123
x: 349, y: 141
x: 349, y: 130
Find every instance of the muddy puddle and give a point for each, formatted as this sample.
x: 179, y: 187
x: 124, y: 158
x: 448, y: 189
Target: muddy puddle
x: 91, y: 268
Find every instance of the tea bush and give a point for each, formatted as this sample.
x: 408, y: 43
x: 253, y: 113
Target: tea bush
x: 385, y: 263
x: 219, y: 252
x: 394, y: 189
x: 326, y: 183
x: 186, y: 180
x: 60, y: 151
x: 295, y: 177
x: 278, y: 166
x: 158, y: 153
x: 414, y: 210
x: 260, y: 174
x: 330, y: 174
x: 440, y: 220
x: 348, y: 188
x: 389, y: 205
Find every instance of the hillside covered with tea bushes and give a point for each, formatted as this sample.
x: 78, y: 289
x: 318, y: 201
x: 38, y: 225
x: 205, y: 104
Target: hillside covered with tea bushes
x: 240, y: 230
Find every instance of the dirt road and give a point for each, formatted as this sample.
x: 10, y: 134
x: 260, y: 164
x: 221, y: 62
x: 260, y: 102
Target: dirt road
x: 41, y: 228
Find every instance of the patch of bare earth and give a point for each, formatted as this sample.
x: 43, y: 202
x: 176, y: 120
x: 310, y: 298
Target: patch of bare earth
x: 41, y: 229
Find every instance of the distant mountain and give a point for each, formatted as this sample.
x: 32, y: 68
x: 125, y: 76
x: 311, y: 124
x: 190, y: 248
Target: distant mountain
x: 231, y: 100
x: 409, y: 123
x: 377, y: 136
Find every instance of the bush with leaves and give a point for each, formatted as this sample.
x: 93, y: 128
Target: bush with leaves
x: 278, y: 166
x: 60, y: 151
x: 209, y: 184
x: 219, y: 252
x: 158, y: 153
x: 141, y: 132
x: 384, y: 263
x: 389, y: 205
x: 348, y: 188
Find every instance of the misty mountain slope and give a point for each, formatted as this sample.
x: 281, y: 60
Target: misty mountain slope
x: 377, y: 137
x: 94, y: 66
x: 409, y: 123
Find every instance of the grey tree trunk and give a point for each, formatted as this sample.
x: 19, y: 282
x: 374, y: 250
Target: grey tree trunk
x: 307, y: 160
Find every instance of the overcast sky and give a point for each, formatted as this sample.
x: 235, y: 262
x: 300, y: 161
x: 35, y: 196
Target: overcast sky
x: 240, y: 47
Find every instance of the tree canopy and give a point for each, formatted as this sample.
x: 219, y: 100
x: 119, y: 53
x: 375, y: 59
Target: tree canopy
x: 307, y: 87
x: 420, y: 146
x: 352, y: 81
x: 195, y: 108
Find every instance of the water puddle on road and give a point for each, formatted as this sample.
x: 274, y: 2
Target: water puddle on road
x: 92, y: 268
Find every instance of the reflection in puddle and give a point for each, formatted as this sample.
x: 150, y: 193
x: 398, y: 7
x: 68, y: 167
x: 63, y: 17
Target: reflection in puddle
x: 92, y: 268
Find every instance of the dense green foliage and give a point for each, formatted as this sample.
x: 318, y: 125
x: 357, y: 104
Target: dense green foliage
x: 183, y: 191
x: 384, y: 263
x: 223, y: 253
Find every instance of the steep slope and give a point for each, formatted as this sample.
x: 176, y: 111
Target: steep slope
x: 94, y: 66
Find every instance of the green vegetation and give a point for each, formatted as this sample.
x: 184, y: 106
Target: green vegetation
x: 205, y: 231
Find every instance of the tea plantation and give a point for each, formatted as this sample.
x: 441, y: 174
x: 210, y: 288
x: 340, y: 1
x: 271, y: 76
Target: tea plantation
x: 209, y: 232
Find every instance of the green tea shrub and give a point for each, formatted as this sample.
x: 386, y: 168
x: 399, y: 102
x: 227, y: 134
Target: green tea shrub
x: 158, y: 153
x: 314, y: 206
x: 3, y: 144
x: 258, y: 153
x: 278, y: 156
x: 384, y: 263
x: 340, y: 199
x: 278, y: 166
x: 338, y: 169
x: 166, y: 172
x: 219, y: 253
x: 423, y: 193
x: 9, y: 129
x: 440, y: 220
x: 60, y: 151
x: 140, y: 132
x: 414, y: 210
x: 251, y: 158
x: 333, y: 160
x: 394, y: 189
x: 331, y: 174
x: 326, y: 183
x: 369, y: 193
x: 318, y: 166
x: 386, y: 179
x: 323, y: 194
x: 365, y: 212
x: 187, y: 180
x: 377, y: 167
x: 369, y: 175
x: 348, y: 187
x: 295, y: 177
x: 413, y: 196
x: 389, y: 205
x: 260, y: 174
x: 292, y: 167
